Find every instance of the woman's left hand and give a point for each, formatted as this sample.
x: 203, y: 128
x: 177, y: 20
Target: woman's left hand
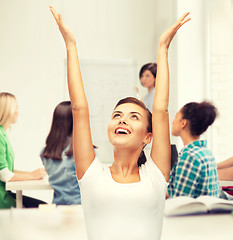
x: 67, y: 35
x: 166, y: 38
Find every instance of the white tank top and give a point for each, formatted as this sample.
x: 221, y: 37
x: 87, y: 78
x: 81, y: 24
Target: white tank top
x: 123, y: 211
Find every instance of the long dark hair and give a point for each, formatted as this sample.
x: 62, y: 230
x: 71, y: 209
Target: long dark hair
x: 60, y: 135
x: 199, y: 115
x: 142, y: 157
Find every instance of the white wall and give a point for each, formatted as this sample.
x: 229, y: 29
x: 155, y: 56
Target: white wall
x: 33, y: 53
x: 222, y: 76
x: 192, y: 55
x: 204, y: 66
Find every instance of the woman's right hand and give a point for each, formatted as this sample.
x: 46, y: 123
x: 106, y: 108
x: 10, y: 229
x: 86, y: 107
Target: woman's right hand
x: 67, y: 35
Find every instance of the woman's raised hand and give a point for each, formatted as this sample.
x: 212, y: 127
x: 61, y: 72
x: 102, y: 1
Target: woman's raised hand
x: 67, y: 35
x: 166, y: 38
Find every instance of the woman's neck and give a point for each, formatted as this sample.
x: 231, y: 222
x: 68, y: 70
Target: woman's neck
x: 125, y: 162
x: 187, y: 139
x: 150, y: 89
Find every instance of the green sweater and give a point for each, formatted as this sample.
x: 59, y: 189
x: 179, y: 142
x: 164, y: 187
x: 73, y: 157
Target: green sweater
x: 6, y: 161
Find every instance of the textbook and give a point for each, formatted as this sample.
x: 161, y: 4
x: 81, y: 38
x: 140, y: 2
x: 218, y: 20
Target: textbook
x: 185, y: 205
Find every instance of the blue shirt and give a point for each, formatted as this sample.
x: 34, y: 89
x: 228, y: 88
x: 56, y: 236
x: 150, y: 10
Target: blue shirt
x: 62, y: 178
x: 194, y: 173
x: 148, y: 99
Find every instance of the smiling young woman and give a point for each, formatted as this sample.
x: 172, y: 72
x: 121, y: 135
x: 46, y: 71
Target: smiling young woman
x: 126, y: 200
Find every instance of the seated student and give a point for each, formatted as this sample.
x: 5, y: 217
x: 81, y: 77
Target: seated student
x: 195, y: 172
x: 9, y: 116
x: 225, y: 169
x: 58, y: 159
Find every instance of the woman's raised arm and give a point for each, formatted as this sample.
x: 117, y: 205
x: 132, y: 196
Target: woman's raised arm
x: 161, y: 149
x: 82, y: 142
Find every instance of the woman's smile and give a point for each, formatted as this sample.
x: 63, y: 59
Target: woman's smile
x: 122, y: 131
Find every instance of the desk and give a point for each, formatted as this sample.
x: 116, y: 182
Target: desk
x: 59, y: 223
x: 225, y: 183
x: 199, y: 227
x: 19, y: 186
x: 67, y: 222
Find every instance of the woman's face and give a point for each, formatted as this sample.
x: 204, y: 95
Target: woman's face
x: 147, y: 79
x: 128, y: 127
x: 177, y: 124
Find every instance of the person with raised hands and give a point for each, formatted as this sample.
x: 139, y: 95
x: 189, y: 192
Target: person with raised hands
x: 125, y: 200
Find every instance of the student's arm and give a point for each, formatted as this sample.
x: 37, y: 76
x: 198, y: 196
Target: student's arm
x: 225, y: 164
x: 34, y: 175
x: 161, y: 148
x: 225, y: 173
x: 7, y: 175
x: 82, y: 142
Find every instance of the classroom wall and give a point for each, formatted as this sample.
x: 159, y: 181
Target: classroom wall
x: 222, y: 76
x: 33, y: 54
x: 32, y: 59
x: 192, y: 75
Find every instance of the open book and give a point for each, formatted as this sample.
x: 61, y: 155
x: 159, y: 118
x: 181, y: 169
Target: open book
x: 185, y: 205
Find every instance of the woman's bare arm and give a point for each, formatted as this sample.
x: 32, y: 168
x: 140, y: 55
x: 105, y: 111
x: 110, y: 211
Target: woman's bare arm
x: 82, y: 142
x: 225, y: 173
x: 226, y: 163
x: 161, y: 149
x: 23, y: 175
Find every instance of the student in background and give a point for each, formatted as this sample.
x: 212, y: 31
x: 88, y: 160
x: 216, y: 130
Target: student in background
x: 195, y: 172
x: 126, y: 200
x: 58, y: 159
x: 147, y: 77
x: 9, y: 116
x: 225, y: 169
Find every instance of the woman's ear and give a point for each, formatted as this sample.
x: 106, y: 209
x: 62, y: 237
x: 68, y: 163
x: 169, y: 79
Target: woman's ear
x: 148, y: 138
x: 184, y: 123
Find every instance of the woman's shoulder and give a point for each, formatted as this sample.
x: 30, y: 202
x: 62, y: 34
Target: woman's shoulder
x: 150, y: 169
x: 97, y: 167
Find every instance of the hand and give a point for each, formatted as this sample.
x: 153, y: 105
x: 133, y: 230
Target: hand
x: 67, y: 35
x: 39, y: 173
x: 166, y: 38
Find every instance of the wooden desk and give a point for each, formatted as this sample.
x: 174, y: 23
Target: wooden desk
x: 19, y: 186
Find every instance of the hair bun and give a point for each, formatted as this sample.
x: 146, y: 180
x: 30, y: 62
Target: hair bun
x: 200, y: 116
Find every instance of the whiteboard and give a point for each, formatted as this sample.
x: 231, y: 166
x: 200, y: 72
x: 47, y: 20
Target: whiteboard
x: 106, y: 81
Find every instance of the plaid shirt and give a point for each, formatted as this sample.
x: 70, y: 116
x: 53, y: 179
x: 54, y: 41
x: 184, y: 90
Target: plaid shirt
x: 194, y: 173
